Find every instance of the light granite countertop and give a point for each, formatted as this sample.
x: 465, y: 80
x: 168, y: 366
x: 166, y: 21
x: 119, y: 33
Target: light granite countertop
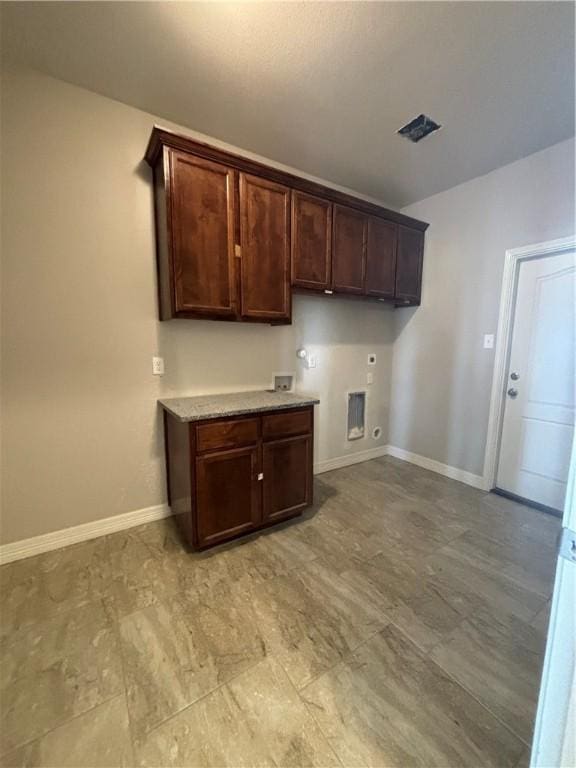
x: 233, y: 404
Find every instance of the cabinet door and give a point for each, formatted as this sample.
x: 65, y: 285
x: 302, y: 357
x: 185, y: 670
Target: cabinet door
x: 265, y: 249
x: 202, y: 225
x: 287, y: 468
x: 227, y: 494
x: 311, y: 241
x: 409, y: 265
x: 348, y: 250
x: 381, y: 257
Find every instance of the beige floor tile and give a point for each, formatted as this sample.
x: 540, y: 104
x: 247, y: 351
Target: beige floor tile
x: 427, y: 617
x: 499, y: 661
x: 98, y: 739
x: 178, y: 651
x: 54, y: 583
x: 311, y: 619
x: 463, y: 574
x: 387, y: 705
x: 79, y: 671
x: 395, y: 577
x: 44, y: 644
x: 452, y: 570
x: 257, y: 719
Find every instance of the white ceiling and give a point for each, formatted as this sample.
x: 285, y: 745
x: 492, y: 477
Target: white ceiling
x: 323, y: 87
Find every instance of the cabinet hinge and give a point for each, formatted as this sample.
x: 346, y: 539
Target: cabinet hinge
x: 237, y: 251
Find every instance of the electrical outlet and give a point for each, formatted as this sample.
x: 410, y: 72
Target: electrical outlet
x: 158, y: 366
x: 369, y: 378
x: 488, y: 341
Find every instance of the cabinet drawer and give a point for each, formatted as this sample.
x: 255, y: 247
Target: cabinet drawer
x: 226, y: 434
x: 286, y: 424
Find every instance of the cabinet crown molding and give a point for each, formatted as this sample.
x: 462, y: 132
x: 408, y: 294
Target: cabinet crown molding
x: 162, y: 137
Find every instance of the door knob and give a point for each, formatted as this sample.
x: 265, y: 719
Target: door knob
x: 514, y: 376
x: 512, y: 392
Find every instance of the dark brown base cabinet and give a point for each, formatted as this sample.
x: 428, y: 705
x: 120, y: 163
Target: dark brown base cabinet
x: 234, y: 237
x: 231, y: 476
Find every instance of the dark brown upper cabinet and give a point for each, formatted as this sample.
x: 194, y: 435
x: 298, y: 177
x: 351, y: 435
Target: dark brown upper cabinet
x: 265, y: 249
x: 233, y: 235
x: 201, y: 231
x: 409, y: 265
x: 381, y: 258
x: 311, y: 241
x: 348, y: 250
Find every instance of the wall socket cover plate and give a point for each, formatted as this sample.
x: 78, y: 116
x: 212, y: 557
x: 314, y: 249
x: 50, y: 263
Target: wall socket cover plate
x: 158, y: 366
x: 488, y: 341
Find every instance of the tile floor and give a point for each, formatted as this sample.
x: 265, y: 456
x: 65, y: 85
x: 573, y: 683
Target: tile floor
x: 400, y: 622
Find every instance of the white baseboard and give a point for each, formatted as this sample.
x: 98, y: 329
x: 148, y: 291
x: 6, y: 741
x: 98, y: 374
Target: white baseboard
x: 46, y: 542
x: 351, y: 458
x: 477, y: 481
x: 36, y: 545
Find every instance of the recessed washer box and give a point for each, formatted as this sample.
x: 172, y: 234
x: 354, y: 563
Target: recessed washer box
x: 283, y: 382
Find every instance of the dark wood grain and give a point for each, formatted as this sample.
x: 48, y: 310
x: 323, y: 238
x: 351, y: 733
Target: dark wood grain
x: 218, y: 481
x: 202, y: 235
x: 227, y: 434
x: 311, y: 241
x: 348, y: 250
x: 381, y: 258
x: 287, y: 479
x: 179, y: 443
x: 265, y: 249
x: 164, y: 260
x: 228, y: 494
x: 409, y: 265
x: 286, y: 423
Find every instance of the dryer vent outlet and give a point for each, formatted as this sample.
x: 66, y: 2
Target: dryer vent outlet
x: 377, y: 432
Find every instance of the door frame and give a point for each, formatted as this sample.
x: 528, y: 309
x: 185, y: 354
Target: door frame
x: 512, y: 261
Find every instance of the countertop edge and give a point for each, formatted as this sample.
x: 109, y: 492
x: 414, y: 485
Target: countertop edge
x: 238, y: 411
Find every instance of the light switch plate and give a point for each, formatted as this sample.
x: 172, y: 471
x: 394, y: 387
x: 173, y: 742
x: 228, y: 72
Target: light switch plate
x: 369, y: 378
x: 488, y: 341
x: 158, y: 366
x: 312, y: 362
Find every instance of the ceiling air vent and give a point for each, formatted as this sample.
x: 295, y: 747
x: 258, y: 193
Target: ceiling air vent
x: 419, y: 128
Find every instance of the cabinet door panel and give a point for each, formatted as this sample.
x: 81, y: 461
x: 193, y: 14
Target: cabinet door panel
x: 348, y: 250
x: 311, y: 241
x: 265, y: 249
x: 409, y: 265
x: 227, y: 494
x: 287, y: 468
x: 202, y: 224
x: 381, y: 257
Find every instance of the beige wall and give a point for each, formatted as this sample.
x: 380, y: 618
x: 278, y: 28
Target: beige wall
x: 81, y: 433
x: 442, y: 376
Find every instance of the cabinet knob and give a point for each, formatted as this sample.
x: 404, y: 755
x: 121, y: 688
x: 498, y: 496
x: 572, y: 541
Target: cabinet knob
x: 261, y: 476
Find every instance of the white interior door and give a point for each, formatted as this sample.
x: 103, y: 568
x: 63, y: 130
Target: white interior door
x: 538, y: 422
